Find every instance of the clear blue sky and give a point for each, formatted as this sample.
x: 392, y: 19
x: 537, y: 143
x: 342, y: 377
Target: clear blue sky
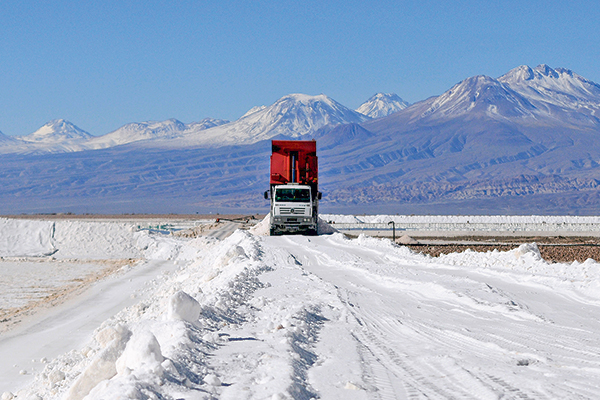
x: 101, y: 64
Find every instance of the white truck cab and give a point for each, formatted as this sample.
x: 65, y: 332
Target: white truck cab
x: 293, y: 210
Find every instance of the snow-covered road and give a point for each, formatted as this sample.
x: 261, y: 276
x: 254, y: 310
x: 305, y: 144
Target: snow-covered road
x: 428, y: 329
x: 70, y: 325
x: 258, y: 317
x: 224, y: 230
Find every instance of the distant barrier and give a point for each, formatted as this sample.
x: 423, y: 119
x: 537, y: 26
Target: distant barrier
x: 169, y: 227
x: 470, y: 227
x: 175, y: 226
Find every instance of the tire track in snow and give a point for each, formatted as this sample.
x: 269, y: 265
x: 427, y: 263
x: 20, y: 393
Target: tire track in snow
x: 463, y: 337
x: 374, y: 335
x: 421, y: 376
x: 557, y: 343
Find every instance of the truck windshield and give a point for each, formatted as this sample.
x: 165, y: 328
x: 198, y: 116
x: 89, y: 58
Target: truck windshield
x: 293, y: 195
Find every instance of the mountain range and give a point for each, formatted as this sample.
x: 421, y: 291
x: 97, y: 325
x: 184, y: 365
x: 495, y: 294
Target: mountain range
x: 292, y: 116
x: 525, y: 142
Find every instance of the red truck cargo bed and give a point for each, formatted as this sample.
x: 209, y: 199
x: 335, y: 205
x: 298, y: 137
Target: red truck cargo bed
x: 294, y: 161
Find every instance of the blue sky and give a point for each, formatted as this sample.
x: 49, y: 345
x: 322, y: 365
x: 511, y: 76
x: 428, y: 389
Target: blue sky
x: 102, y: 64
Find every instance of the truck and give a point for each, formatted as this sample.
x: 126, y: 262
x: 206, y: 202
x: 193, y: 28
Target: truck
x: 294, y: 187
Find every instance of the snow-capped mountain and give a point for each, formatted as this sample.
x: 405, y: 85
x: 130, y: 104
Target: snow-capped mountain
x: 557, y: 92
x: 531, y: 132
x: 540, y: 97
x: 527, y: 141
x: 253, y: 110
x: 137, y: 131
x: 206, y: 123
x: 57, y: 131
x: 56, y: 136
x: 293, y: 116
x: 560, y: 86
x: 479, y: 95
x: 62, y: 133
x: 382, y: 105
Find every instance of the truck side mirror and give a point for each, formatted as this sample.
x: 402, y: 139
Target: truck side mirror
x: 319, y: 195
x: 267, y: 195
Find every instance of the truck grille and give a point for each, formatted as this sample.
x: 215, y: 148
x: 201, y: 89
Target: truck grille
x: 292, y: 210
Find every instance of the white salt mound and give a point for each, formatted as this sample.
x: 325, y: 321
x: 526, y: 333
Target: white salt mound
x: 405, y: 239
x: 325, y: 229
x: 141, y: 353
x: 262, y: 228
x: 183, y: 307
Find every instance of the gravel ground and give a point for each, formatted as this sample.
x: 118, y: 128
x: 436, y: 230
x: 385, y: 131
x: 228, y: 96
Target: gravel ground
x: 552, y: 249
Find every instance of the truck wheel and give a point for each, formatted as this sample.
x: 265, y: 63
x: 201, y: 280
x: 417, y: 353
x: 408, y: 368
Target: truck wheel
x: 311, y: 232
